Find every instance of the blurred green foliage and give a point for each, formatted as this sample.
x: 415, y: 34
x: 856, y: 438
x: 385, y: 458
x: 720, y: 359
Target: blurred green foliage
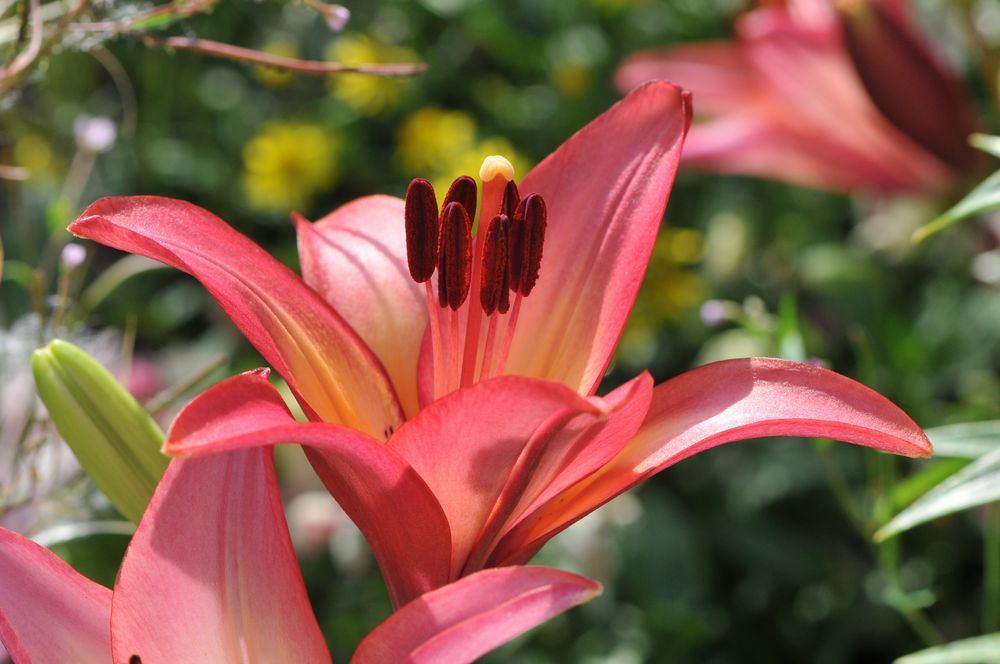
x: 752, y: 553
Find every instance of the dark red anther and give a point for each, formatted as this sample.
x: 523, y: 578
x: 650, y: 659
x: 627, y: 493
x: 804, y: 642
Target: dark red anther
x: 463, y: 190
x: 527, y: 234
x: 421, y: 215
x: 510, y: 200
x: 454, y: 256
x: 494, y: 284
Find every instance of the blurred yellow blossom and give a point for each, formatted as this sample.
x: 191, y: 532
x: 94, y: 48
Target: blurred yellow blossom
x: 287, y: 163
x: 365, y: 93
x: 671, y: 289
x: 272, y: 76
x: 433, y: 136
x: 469, y: 161
x: 33, y: 152
x: 572, y: 80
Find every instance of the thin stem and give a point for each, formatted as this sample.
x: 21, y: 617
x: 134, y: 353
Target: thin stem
x: 437, y: 348
x: 28, y: 55
x: 159, y: 403
x: 485, y: 370
x: 508, y: 336
x: 239, y: 53
x: 991, y: 570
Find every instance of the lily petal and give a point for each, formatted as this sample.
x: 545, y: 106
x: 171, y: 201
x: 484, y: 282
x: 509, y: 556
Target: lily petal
x: 724, y: 402
x: 49, y: 612
x: 210, y: 574
x: 606, y: 189
x: 321, y: 357
x: 723, y: 78
x: 624, y: 412
x: 355, y: 257
x: 466, y: 445
x: 383, y: 495
x: 761, y: 119
x: 474, y: 615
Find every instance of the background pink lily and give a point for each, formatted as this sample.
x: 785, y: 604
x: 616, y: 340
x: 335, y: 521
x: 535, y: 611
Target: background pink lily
x: 843, y: 99
x: 485, y: 475
x: 210, y: 576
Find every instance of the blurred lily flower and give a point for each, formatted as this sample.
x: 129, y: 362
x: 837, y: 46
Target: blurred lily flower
x: 457, y: 425
x: 836, y: 95
x: 210, y: 575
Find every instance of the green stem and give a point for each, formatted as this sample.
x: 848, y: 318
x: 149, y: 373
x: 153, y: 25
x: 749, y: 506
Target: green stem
x: 991, y: 570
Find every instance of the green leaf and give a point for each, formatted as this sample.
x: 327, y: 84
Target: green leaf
x: 976, y: 650
x: 976, y: 484
x: 115, y: 440
x: 968, y: 440
x: 935, y: 472
x: 985, y: 197
x: 986, y: 143
x: 156, y: 21
x: 791, y: 346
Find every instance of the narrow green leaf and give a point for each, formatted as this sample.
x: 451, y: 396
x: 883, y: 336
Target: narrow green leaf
x: 791, y: 345
x: 984, y: 197
x: 916, y: 485
x: 986, y: 143
x: 115, y: 440
x: 976, y: 484
x: 110, y: 279
x: 976, y: 650
x: 968, y: 440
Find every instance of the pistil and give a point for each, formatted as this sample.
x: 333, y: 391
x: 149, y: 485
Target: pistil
x: 495, y: 173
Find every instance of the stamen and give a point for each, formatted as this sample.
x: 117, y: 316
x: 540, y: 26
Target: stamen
x: 511, y: 198
x: 463, y: 190
x: 494, y: 286
x: 454, y: 256
x: 527, y: 233
x: 421, y: 216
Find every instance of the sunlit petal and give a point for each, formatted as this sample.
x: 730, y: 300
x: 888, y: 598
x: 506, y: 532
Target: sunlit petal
x: 319, y: 355
x: 355, y: 257
x: 210, y: 575
x: 48, y: 612
x: 606, y: 189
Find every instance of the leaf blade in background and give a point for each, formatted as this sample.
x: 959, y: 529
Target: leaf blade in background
x: 983, y: 198
x: 975, y: 650
x: 967, y: 440
x: 976, y: 484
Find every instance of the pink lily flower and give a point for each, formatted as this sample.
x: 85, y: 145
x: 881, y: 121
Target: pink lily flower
x: 458, y: 430
x: 833, y: 95
x: 210, y: 576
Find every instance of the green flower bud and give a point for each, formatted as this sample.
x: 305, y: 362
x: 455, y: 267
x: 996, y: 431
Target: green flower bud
x: 113, y: 437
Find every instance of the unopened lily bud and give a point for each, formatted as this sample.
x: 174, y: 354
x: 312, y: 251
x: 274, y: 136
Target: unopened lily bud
x: 115, y: 440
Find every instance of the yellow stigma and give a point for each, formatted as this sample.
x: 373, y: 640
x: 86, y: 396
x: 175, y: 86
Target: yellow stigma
x: 493, y: 166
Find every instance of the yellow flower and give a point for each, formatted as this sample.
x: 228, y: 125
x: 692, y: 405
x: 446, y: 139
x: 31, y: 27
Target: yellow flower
x: 33, y: 152
x: 469, y: 161
x: 365, y: 93
x: 433, y: 136
x: 572, y: 80
x: 287, y: 163
x: 273, y: 77
x: 670, y: 290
